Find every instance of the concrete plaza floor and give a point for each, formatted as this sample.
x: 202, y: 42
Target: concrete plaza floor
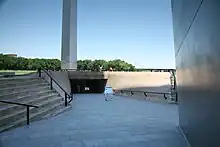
x: 93, y: 122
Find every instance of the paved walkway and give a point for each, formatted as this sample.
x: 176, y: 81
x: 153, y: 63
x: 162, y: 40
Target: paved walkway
x: 93, y: 122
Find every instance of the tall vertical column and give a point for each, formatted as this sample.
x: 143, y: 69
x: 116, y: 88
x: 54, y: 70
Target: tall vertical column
x: 69, y: 35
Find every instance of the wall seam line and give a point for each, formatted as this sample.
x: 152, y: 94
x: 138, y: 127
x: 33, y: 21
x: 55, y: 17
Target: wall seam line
x: 194, y: 17
x: 184, y: 136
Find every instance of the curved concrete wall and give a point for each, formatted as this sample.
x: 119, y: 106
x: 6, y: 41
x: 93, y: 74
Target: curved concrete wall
x: 140, y: 81
x: 143, y: 81
x: 150, y: 81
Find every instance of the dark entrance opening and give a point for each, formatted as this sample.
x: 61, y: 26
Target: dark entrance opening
x: 88, y: 85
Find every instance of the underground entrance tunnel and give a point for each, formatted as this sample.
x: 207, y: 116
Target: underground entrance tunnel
x: 88, y: 85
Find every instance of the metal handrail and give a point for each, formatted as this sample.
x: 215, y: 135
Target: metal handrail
x: 67, y: 95
x: 21, y: 104
x: 150, y: 92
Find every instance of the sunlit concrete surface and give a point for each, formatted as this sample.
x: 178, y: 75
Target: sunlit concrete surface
x: 93, y: 122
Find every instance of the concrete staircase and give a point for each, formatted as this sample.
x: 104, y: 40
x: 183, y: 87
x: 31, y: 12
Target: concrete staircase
x: 34, y: 91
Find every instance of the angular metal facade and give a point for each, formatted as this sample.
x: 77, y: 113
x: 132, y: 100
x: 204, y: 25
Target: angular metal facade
x: 197, y: 49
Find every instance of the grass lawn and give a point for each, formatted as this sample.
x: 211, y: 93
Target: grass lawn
x: 19, y: 72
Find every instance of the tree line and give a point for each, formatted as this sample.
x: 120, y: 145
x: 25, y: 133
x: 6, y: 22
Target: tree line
x: 20, y: 63
x: 97, y: 65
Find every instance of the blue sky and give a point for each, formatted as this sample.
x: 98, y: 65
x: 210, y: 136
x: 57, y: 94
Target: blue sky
x: 137, y: 31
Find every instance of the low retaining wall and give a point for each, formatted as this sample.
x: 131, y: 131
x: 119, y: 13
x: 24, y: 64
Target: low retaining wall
x: 62, y: 78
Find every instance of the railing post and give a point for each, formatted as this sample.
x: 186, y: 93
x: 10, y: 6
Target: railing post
x: 51, y: 83
x: 71, y: 95
x: 28, y: 117
x: 39, y: 72
x: 176, y: 97
x: 65, y: 99
x: 164, y: 95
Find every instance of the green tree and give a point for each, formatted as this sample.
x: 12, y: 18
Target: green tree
x: 99, y: 63
x: 120, y: 65
x: 2, y: 65
x: 84, y: 64
x: 9, y: 62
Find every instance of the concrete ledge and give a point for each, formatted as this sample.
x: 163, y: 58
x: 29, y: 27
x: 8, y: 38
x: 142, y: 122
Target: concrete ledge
x: 7, y: 74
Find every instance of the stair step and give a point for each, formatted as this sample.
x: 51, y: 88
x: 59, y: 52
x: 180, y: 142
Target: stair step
x: 22, y: 113
x: 25, y: 84
x: 31, y: 91
x: 37, y: 116
x: 21, y: 88
x: 7, y: 109
x: 28, y: 96
x: 18, y: 79
x: 34, y: 91
x: 15, y: 84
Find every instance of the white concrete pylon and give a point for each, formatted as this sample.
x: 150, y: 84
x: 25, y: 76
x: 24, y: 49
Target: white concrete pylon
x: 69, y: 35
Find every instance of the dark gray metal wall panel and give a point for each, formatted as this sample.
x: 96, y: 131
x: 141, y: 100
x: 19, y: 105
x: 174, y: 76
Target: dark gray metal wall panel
x: 182, y: 18
x: 198, y: 75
